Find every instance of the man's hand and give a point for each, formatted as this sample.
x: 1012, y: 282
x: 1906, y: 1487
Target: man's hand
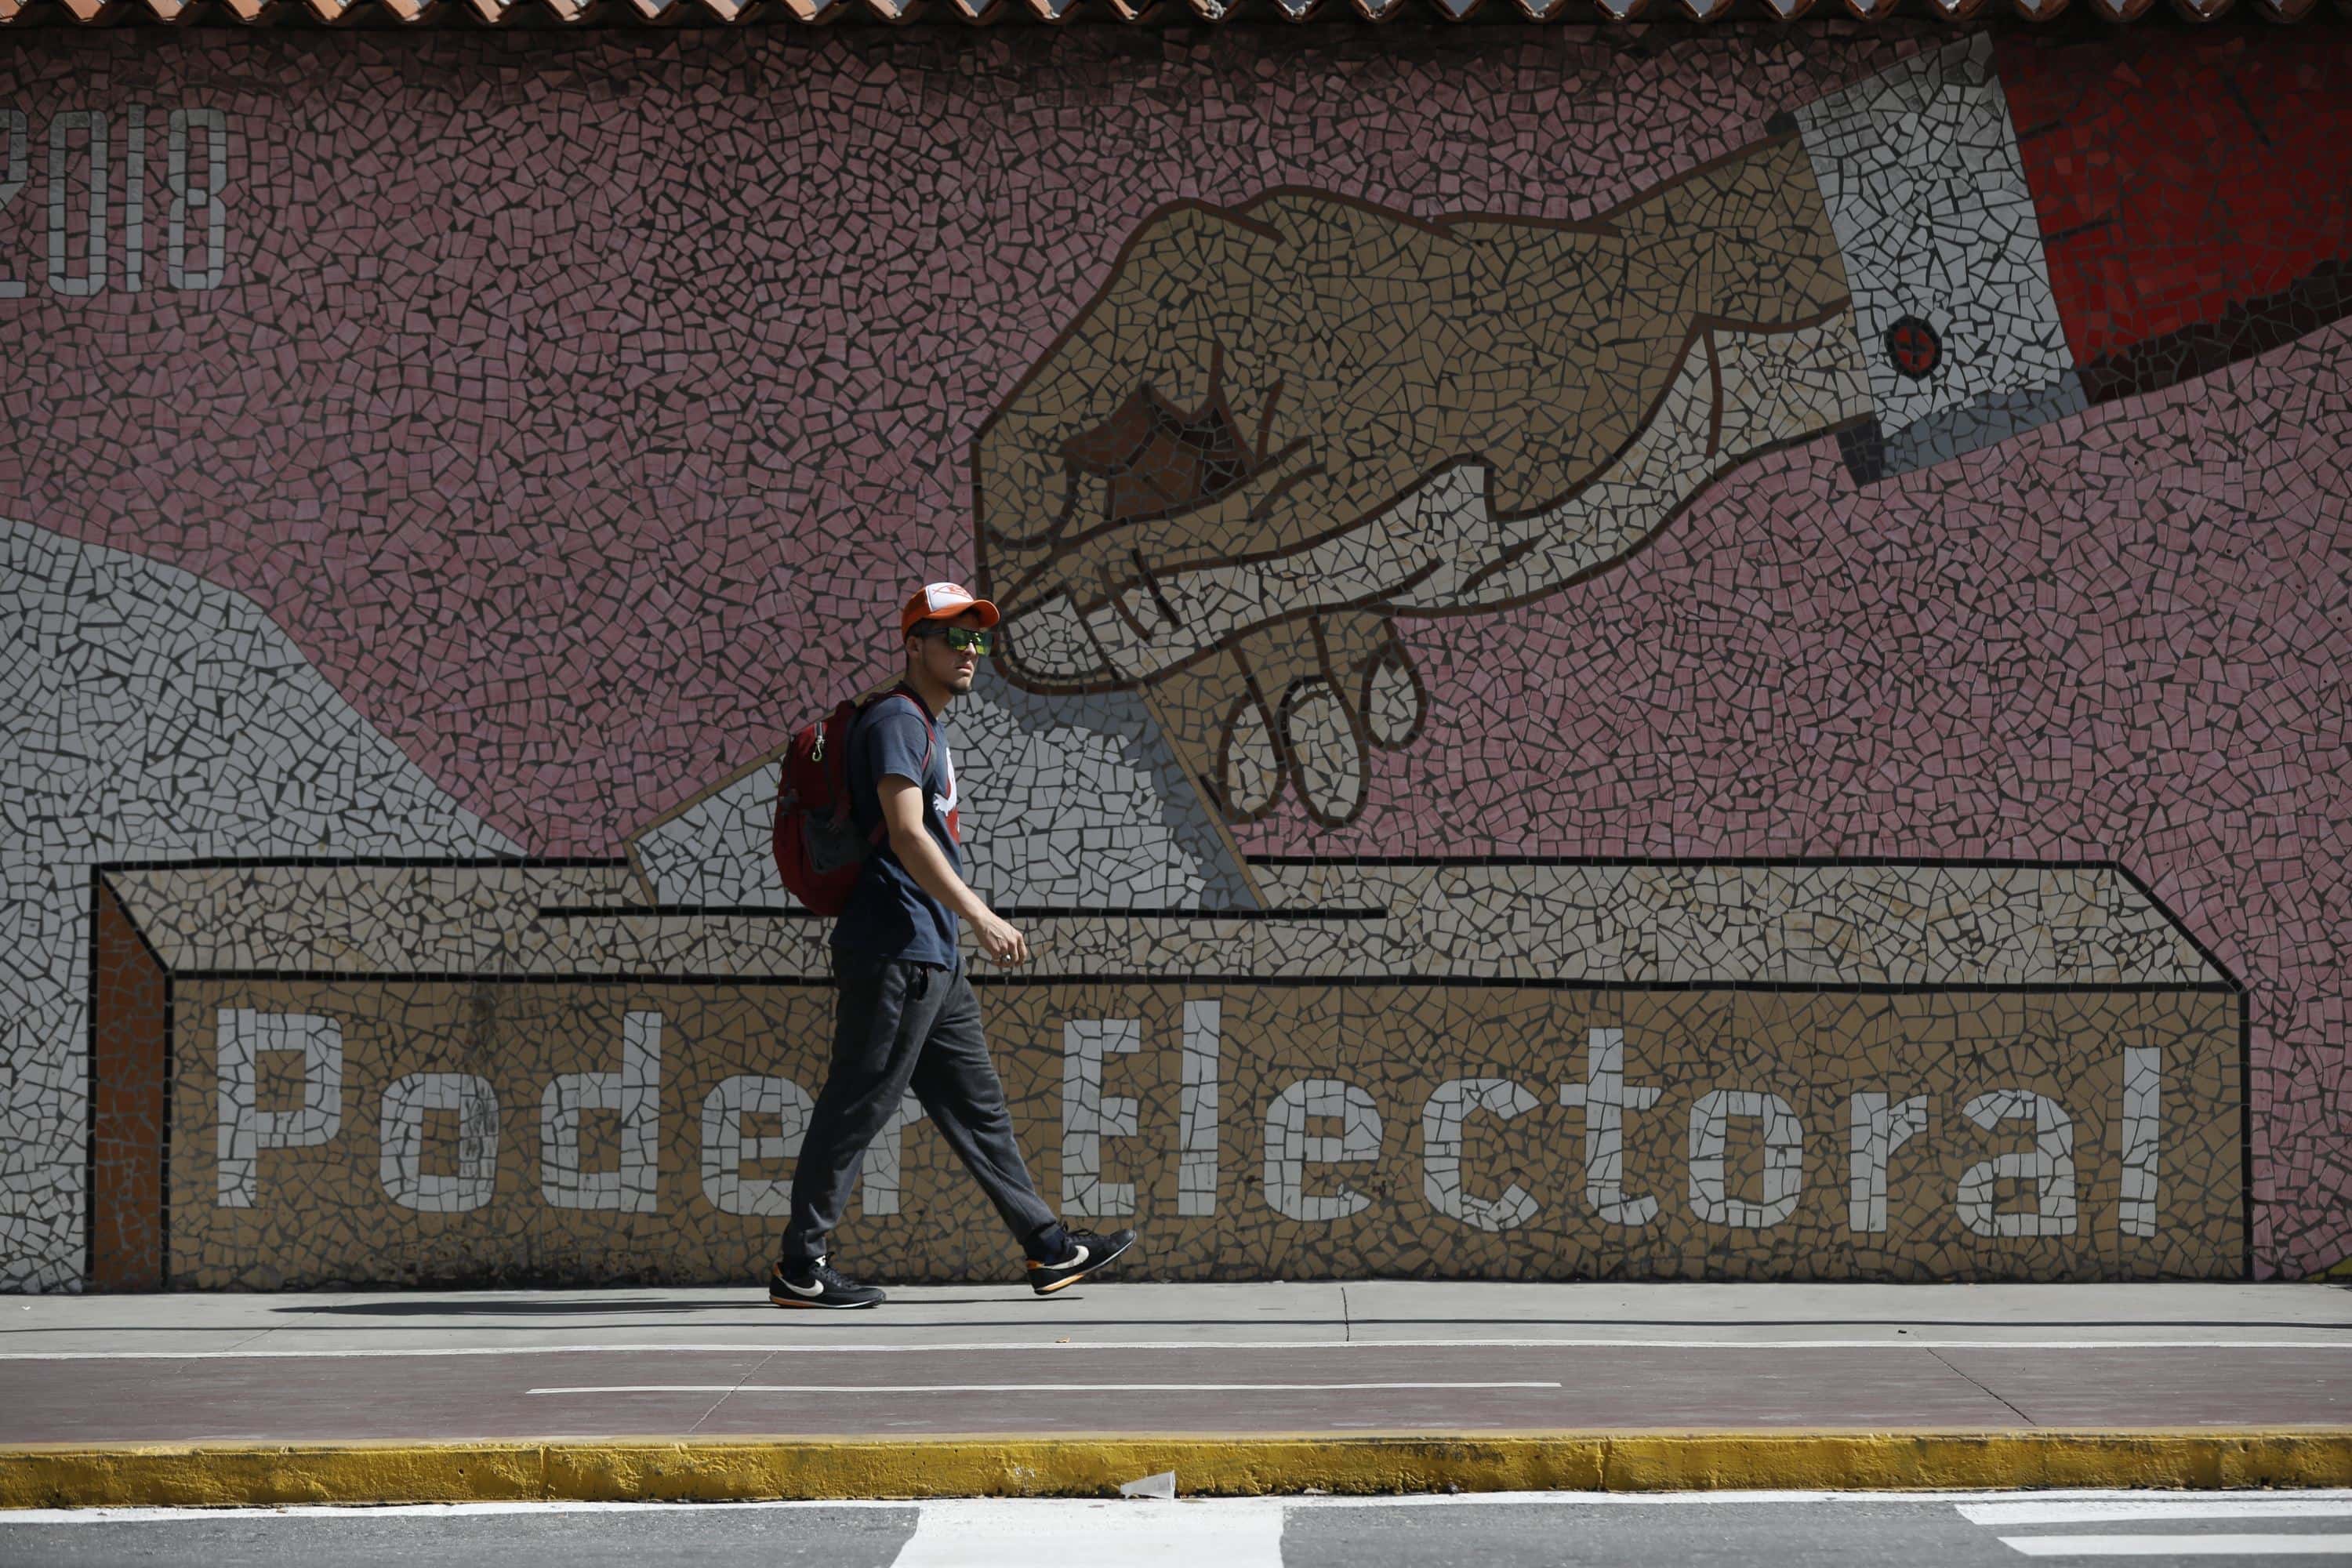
x: 902, y: 815
x: 1201, y: 410
x: 1280, y: 423
x: 1004, y: 946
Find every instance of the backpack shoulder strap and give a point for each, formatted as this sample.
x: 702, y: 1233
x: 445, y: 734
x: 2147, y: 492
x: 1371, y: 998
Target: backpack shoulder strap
x: 930, y: 730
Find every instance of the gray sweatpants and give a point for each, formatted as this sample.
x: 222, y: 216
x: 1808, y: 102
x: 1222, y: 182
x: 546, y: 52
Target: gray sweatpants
x: 900, y: 1027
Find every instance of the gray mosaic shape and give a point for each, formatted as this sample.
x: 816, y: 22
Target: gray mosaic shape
x: 1605, y: 1097
x: 1676, y: 925
x: 1079, y: 800
x: 1920, y: 171
x: 147, y: 714
x: 1066, y: 801
x: 1290, y: 1150
x: 715, y: 852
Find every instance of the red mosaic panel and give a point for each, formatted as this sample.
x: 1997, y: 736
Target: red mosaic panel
x: 2176, y: 187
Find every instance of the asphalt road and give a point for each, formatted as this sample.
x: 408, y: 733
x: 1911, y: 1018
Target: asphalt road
x: 1673, y: 1530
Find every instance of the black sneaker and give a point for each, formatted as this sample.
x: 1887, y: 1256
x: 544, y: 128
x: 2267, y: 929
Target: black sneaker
x: 1089, y: 1252
x: 822, y: 1286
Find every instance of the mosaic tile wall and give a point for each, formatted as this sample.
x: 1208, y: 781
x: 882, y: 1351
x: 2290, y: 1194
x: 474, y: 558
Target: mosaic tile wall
x: 1773, y: 446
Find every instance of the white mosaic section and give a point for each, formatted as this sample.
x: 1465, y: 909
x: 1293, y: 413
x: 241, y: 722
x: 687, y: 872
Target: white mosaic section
x: 244, y: 1035
x: 1196, y: 1114
x: 1784, y: 1158
x: 1880, y: 1125
x: 2143, y: 1133
x: 147, y: 714
x: 2046, y: 1173
x: 1290, y: 1150
x: 633, y: 1092
x: 1089, y: 1116
x: 1068, y: 802
x: 726, y: 1148
x: 1695, y: 923
x: 1926, y: 191
x: 1605, y: 1097
x: 1441, y: 1157
x: 401, y: 1166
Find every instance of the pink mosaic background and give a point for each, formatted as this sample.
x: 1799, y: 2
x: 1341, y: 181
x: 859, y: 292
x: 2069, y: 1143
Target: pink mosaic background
x: 580, y: 402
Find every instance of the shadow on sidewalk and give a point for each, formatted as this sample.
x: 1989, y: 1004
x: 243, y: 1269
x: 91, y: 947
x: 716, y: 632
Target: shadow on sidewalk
x: 442, y: 1307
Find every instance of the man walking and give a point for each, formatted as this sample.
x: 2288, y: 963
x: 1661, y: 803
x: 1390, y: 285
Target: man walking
x: 907, y: 1018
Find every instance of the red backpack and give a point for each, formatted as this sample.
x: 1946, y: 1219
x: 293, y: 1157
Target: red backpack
x: 819, y: 851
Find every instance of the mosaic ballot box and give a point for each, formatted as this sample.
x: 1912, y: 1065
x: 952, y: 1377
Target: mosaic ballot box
x: 307, y: 1075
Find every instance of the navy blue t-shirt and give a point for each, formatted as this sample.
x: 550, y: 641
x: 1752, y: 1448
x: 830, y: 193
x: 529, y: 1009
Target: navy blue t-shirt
x: 888, y: 914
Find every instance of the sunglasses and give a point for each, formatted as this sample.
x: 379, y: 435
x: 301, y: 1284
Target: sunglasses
x: 963, y: 639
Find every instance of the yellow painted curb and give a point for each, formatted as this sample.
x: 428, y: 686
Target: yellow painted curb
x: 743, y: 1469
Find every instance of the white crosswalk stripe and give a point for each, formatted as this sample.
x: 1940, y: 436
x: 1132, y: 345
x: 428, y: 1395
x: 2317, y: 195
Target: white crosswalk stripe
x: 1099, y: 1534
x: 1520, y: 1529
x: 2180, y: 1545
x: 2109, y: 1511
x: 2188, y: 1515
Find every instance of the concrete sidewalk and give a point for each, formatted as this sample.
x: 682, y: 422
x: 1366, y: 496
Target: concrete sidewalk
x: 1379, y: 1385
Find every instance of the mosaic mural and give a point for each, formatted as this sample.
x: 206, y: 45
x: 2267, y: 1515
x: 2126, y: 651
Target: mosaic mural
x: 1753, y: 691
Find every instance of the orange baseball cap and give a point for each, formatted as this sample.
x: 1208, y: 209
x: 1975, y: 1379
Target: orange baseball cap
x: 943, y: 602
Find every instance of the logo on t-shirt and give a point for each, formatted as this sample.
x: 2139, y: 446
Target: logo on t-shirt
x: 945, y: 805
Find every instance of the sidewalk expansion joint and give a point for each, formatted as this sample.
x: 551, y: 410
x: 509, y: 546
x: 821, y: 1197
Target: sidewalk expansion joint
x: 1982, y: 1387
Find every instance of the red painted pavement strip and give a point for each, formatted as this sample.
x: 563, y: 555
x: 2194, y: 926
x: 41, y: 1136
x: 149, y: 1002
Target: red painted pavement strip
x: 1613, y: 1388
